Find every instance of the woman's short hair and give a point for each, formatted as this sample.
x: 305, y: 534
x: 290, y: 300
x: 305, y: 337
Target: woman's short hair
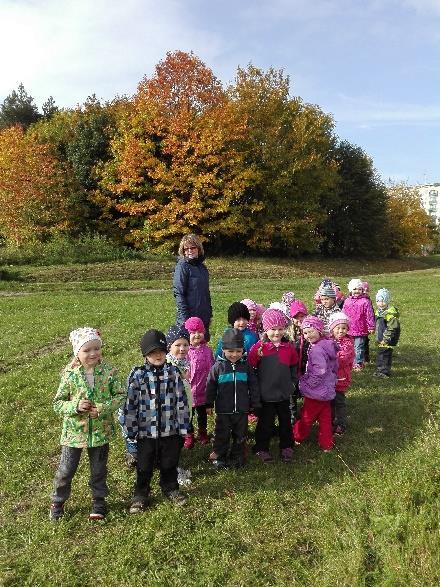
x: 191, y: 239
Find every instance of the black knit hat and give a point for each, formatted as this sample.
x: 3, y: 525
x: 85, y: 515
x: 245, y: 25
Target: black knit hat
x: 232, y: 339
x: 237, y: 310
x: 153, y: 340
x: 174, y: 333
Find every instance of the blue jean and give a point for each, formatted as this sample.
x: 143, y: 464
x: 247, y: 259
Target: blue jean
x: 359, y: 349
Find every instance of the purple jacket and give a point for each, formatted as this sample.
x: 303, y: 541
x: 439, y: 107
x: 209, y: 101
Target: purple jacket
x: 201, y: 360
x: 360, y: 312
x: 319, y: 380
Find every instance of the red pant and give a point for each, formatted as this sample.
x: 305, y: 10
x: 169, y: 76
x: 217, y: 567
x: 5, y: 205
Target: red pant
x: 313, y: 410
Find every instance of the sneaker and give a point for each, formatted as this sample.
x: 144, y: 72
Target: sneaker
x: 56, y: 511
x: 219, y: 465
x: 287, y: 454
x: 358, y: 367
x: 203, y: 437
x: 381, y: 375
x: 189, y: 441
x: 339, y: 430
x: 252, y: 418
x: 99, y: 509
x: 213, y: 456
x: 131, y: 460
x: 137, y: 507
x: 327, y: 450
x: 176, y: 497
x: 264, y: 456
x: 183, y: 476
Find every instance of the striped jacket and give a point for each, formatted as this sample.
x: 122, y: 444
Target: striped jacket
x: 156, y: 403
x: 232, y: 387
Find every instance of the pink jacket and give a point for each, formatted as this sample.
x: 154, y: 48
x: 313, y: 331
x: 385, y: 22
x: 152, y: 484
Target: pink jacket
x: 345, y: 363
x: 201, y: 360
x: 319, y: 380
x: 360, y: 312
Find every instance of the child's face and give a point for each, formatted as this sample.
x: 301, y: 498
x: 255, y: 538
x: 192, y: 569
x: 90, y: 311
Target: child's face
x: 233, y: 355
x: 252, y: 314
x: 196, y: 338
x: 339, y: 331
x: 328, y: 302
x: 311, y: 334
x: 381, y: 305
x: 180, y: 348
x: 356, y: 292
x: 241, y: 323
x: 275, y: 334
x: 90, y: 354
x: 156, y: 357
x: 298, y: 318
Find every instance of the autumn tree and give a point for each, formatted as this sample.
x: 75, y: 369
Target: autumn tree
x: 286, y: 144
x: 356, y: 222
x: 18, y: 108
x: 410, y: 228
x: 175, y: 165
x: 32, y: 202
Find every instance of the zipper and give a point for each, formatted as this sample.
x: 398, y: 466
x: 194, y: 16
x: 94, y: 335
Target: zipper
x: 235, y: 388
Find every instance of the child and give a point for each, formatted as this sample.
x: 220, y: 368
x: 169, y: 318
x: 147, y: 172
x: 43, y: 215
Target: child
x: 387, y: 332
x: 200, y: 362
x: 178, y: 346
x: 238, y: 317
x: 366, y: 290
x: 255, y: 314
x: 233, y: 388
x: 88, y: 394
x: 325, y: 283
x: 156, y: 416
x: 317, y: 385
x: 327, y: 305
x: 298, y: 312
x: 360, y: 313
x: 338, y: 326
x: 275, y: 359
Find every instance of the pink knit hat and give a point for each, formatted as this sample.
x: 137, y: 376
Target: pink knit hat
x: 250, y: 304
x: 313, y: 322
x: 274, y: 319
x: 338, y: 318
x: 194, y: 324
x: 298, y: 307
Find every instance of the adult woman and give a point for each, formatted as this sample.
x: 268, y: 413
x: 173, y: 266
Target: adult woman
x: 191, y: 283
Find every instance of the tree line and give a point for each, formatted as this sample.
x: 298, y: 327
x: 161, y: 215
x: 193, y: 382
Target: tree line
x: 248, y: 166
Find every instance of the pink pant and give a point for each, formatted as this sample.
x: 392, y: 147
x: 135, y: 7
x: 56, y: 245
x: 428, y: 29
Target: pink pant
x: 315, y: 410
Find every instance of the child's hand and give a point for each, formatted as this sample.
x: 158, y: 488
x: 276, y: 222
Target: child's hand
x: 93, y: 413
x: 84, y: 405
x: 209, y: 411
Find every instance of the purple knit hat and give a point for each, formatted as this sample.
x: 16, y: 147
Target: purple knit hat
x: 313, y: 322
x: 298, y: 307
x: 337, y: 318
x: 250, y: 304
x: 195, y: 324
x: 274, y: 319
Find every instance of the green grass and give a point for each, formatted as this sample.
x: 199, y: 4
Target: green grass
x: 366, y: 514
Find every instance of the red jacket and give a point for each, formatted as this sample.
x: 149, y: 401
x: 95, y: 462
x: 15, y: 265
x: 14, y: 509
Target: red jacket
x: 345, y: 363
x: 276, y: 369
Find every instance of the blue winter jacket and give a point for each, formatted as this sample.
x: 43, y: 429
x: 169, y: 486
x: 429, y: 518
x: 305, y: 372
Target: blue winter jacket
x: 191, y: 290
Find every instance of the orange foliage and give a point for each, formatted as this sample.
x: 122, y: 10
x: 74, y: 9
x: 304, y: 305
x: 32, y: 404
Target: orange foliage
x: 31, y: 188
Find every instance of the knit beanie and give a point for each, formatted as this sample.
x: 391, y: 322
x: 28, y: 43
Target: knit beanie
x: 287, y: 298
x: 153, y: 340
x: 313, y: 322
x: 250, y: 304
x: 174, y: 333
x: 338, y: 318
x: 273, y: 318
x: 365, y: 286
x: 237, y: 310
x: 81, y: 336
x: 195, y: 324
x: 232, y: 339
x: 383, y: 295
x: 327, y: 290
x: 354, y: 283
x: 298, y: 307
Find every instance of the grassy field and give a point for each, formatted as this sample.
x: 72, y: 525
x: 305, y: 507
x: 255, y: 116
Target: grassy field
x: 366, y: 514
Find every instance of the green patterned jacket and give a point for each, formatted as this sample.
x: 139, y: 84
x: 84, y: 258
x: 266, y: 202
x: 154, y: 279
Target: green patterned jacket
x: 79, y: 429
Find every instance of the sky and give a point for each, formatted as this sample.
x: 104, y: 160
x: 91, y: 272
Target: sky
x: 373, y: 64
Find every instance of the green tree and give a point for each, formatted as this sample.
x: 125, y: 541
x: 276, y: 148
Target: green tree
x: 18, y: 108
x: 356, y: 221
x: 49, y: 108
